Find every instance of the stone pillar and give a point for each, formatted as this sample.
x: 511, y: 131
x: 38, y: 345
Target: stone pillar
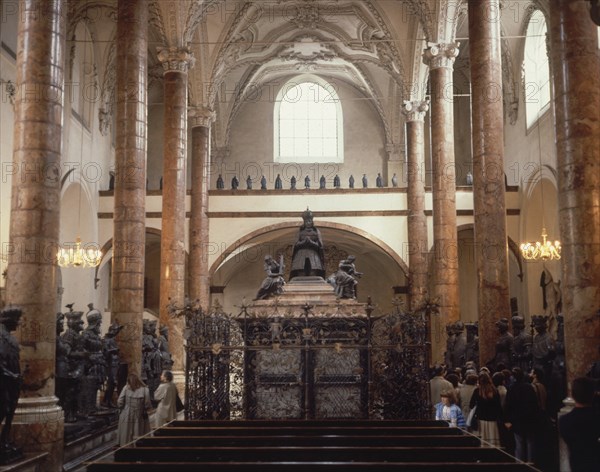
x: 418, y: 247
x: 491, y: 248
x: 129, y: 233
x: 172, y: 260
x: 200, y: 120
x: 35, y: 220
x: 575, y: 61
x: 440, y: 59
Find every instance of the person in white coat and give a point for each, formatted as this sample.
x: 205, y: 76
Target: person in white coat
x: 166, y: 396
x: 134, y: 403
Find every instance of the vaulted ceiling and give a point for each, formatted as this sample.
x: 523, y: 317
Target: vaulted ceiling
x: 242, y: 46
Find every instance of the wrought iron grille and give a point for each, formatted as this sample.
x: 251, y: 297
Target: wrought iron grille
x: 310, y: 366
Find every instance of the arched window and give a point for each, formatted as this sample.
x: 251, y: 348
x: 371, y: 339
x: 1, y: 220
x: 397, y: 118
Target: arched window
x: 308, y: 122
x: 536, y: 69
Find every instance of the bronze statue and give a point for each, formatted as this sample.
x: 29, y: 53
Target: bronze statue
x: 544, y: 349
x: 336, y: 181
x: 248, y: 183
x: 322, y: 182
x: 278, y: 182
x: 10, y: 385
x: 308, y: 258
x: 76, y: 355
x: 450, y: 341
x: 472, y: 348
x: 163, y: 347
x: 504, y: 345
x: 346, y: 278
x: 220, y: 183
x: 273, y: 283
x: 151, y: 359
x: 293, y: 183
x: 110, y: 350
x: 522, y: 344
x: 351, y: 182
x: 460, y: 345
x: 62, y: 362
x: 94, y: 373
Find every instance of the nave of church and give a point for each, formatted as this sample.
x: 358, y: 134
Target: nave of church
x: 181, y: 143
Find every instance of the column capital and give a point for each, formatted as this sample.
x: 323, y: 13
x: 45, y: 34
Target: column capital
x: 200, y: 116
x: 176, y: 59
x: 415, y: 110
x: 440, y: 54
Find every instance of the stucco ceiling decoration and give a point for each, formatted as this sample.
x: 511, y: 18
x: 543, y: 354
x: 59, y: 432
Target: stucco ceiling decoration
x: 353, y: 41
x: 197, y: 10
x: 170, y: 18
x: 353, y: 34
x: 423, y: 11
x: 90, y: 12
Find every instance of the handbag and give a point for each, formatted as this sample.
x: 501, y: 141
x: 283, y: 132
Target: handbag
x: 179, y: 406
x: 472, y: 418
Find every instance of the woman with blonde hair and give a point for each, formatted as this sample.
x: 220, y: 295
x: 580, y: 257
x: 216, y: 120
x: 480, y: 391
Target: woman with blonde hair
x: 489, y: 411
x: 134, y: 403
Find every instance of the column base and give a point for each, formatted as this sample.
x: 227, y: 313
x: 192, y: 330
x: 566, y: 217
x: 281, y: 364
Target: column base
x: 38, y: 426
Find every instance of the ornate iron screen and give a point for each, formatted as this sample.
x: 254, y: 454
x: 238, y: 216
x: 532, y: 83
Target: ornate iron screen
x: 243, y: 367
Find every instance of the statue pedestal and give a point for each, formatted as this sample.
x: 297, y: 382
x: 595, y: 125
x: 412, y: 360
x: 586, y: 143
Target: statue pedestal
x: 303, y: 292
x: 307, y: 355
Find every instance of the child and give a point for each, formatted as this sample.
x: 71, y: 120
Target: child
x: 447, y: 410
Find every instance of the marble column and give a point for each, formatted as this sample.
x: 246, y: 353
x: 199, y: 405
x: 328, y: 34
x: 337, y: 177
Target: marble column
x: 440, y: 59
x: 418, y: 247
x: 491, y: 248
x: 129, y: 233
x: 200, y: 121
x: 575, y: 62
x: 172, y: 259
x: 32, y: 273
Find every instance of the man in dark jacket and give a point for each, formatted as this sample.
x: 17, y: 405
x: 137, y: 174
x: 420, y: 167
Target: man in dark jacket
x: 522, y: 415
x: 581, y: 428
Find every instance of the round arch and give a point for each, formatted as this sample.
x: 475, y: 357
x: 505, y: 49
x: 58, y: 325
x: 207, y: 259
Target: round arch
x: 242, y: 242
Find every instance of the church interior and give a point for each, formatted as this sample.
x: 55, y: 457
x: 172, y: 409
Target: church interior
x: 161, y: 162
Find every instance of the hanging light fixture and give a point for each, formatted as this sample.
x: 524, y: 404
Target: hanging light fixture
x: 541, y: 251
x: 74, y: 255
x: 544, y: 250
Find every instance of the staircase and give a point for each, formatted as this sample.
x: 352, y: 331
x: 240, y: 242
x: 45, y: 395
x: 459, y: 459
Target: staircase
x: 311, y: 446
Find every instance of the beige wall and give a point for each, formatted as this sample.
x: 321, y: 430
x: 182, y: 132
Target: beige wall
x: 251, y: 145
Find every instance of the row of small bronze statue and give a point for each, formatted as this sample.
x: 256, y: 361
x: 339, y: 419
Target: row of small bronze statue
x: 86, y: 362
x: 235, y: 183
x: 520, y: 348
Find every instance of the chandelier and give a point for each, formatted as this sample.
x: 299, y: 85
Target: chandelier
x: 545, y: 250
x: 541, y: 251
x: 76, y: 256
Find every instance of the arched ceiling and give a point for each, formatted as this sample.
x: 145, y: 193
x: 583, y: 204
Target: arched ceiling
x: 241, y: 46
x: 370, y: 256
